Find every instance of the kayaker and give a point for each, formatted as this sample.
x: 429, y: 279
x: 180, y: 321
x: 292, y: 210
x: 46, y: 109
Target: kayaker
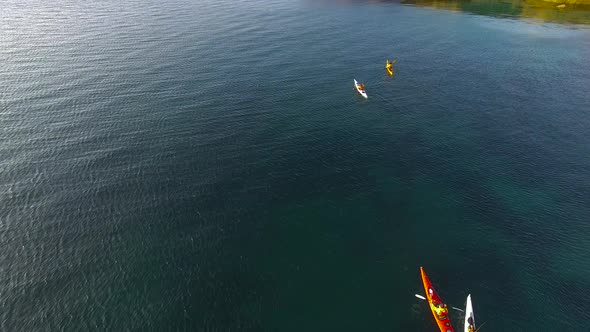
x: 441, y: 310
x: 362, y: 87
x: 470, y: 328
x: 389, y: 64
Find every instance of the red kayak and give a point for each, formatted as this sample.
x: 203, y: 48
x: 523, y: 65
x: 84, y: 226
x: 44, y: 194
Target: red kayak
x: 438, y: 308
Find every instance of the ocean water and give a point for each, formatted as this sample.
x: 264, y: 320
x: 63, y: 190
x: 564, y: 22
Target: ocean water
x: 207, y: 166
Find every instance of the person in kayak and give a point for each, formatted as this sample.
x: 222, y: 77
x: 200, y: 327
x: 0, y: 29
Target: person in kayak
x: 362, y: 87
x: 389, y: 65
x: 470, y: 328
x: 441, y: 310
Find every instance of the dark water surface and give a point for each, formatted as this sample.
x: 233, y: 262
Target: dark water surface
x: 207, y: 166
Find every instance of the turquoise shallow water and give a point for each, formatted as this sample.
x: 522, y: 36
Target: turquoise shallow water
x: 201, y: 165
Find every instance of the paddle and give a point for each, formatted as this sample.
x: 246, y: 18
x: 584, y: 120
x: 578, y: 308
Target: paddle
x: 480, y: 326
x: 423, y: 298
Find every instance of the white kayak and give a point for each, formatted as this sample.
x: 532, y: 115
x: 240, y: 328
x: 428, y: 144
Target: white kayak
x: 469, y: 317
x: 361, y: 91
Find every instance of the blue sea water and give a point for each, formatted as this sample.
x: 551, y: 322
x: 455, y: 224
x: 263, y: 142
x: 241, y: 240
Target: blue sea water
x: 208, y: 166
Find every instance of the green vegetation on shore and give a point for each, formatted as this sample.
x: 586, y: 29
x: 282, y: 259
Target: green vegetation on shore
x: 558, y: 11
